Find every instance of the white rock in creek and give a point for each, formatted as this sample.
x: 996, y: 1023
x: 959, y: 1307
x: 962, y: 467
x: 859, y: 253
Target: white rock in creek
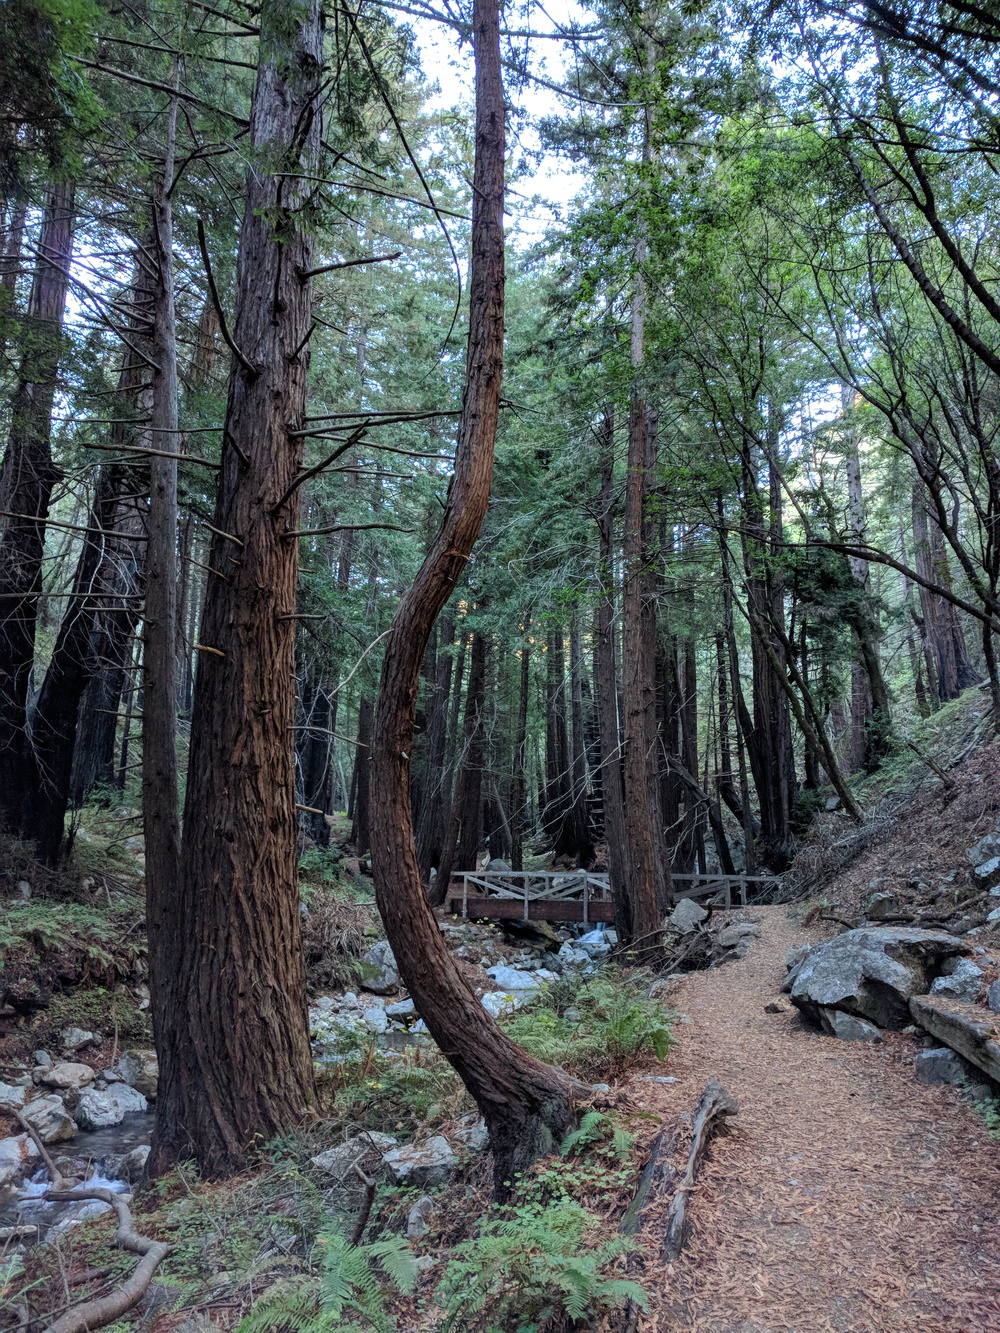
x: 43, y: 1058
x: 11, y: 1098
x: 375, y: 1018
x: 961, y: 981
x: 687, y: 915
x: 513, y: 979
x: 48, y: 1115
x: 500, y: 1002
x: 594, y: 943
x: 325, y: 1004
x: 17, y: 1159
x: 140, y: 1070
x: 378, y: 969
x: 421, y: 1164
x: 401, y: 1009
x: 570, y: 956
x: 340, y: 1161
x: 66, y: 1074
x: 98, y: 1110
x: 75, y: 1038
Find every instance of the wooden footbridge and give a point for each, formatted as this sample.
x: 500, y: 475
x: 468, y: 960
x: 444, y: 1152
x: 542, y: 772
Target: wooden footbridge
x: 576, y: 895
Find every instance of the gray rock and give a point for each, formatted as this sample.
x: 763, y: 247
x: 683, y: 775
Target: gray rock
x: 141, y: 1071
x: 401, y: 1009
x: 595, y: 943
x: 939, y: 1065
x: 872, y: 972
x: 418, y: 1221
x: 730, y: 937
x: 18, y: 1157
x: 48, y: 1115
x: 687, y: 915
x: 987, y: 873
x: 11, y: 1097
x: 43, y: 1058
x: 994, y: 915
x: 960, y: 981
x: 572, y: 957
x: 475, y: 1137
x: 340, y: 1160
x: 797, y: 955
x: 847, y: 1027
x: 497, y: 863
x: 24, y: 888
x: 993, y: 997
x: 67, y: 1075
x: 423, y: 1165
x: 986, y: 849
x: 74, y: 1039
x: 375, y: 1018
x: 99, y: 1110
x: 880, y: 905
x: 378, y: 969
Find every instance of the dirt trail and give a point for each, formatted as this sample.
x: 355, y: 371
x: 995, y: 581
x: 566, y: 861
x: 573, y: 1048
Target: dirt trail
x: 845, y: 1197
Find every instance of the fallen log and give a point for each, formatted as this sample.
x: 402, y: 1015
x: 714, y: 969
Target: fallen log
x: 714, y: 1105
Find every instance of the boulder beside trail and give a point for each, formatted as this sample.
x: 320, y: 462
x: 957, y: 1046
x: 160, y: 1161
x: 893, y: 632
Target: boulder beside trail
x: 873, y: 972
x: 848, y: 1027
x: 973, y: 1032
x: 687, y: 916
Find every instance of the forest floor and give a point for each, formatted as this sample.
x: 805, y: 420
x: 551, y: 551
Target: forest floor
x: 845, y: 1196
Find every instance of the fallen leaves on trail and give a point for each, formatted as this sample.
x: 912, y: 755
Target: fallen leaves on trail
x: 846, y: 1197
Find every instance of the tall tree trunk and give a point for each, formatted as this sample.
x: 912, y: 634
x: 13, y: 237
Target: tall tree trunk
x: 578, y: 815
x: 470, y: 785
x: 26, y: 480
x: 952, y: 668
x: 361, y: 822
x: 160, y: 812
x: 518, y: 795
x: 646, y: 890
x: 606, y: 675
x: 231, y: 1026
x: 527, y: 1105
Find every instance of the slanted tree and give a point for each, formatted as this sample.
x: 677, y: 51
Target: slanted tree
x: 527, y: 1105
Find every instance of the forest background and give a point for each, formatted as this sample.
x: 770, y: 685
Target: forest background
x: 742, y: 529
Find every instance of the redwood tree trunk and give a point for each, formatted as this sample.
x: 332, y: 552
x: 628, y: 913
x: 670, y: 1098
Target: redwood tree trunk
x: 230, y: 1024
x: 26, y: 482
x: 527, y: 1105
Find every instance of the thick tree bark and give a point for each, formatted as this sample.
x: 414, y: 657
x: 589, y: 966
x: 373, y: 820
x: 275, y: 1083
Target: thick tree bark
x: 230, y: 1022
x: 430, y: 832
x: 26, y: 481
x: 527, y: 1105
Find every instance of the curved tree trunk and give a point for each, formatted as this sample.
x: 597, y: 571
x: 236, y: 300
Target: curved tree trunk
x: 230, y: 1021
x: 526, y: 1104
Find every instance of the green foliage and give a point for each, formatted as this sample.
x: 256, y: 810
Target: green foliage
x: 529, y: 1265
x: 597, y: 1028
x: 597, y: 1127
x: 351, y: 1283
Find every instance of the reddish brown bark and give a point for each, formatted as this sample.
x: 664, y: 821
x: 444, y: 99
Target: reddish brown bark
x: 230, y: 1018
x: 527, y: 1105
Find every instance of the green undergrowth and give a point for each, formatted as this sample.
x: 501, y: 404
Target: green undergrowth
x: 594, y: 1027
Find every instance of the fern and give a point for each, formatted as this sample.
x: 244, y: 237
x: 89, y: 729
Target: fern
x: 529, y: 1267
x: 352, y: 1283
x: 598, y: 1127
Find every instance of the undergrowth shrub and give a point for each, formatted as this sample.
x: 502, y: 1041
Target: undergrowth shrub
x: 594, y: 1028
x: 532, y: 1266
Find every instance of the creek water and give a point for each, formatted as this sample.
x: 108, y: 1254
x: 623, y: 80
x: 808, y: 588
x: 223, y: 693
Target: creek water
x: 94, y: 1151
